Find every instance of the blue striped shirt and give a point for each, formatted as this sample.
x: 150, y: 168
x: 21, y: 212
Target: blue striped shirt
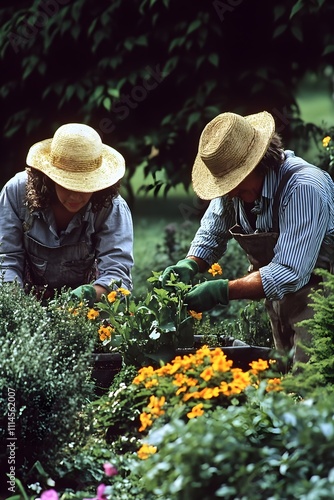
x: 306, y: 227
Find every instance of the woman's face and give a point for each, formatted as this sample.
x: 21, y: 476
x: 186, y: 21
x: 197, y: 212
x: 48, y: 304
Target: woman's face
x: 73, y: 201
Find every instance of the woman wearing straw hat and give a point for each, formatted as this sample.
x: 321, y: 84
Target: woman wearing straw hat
x: 63, y: 222
x: 278, y: 207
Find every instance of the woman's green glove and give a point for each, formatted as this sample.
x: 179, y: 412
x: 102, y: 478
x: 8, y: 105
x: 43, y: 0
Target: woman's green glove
x: 86, y: 293
x: 185, y: 269
x: 207, y: 295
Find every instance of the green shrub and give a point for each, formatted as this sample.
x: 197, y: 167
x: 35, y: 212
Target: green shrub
x: 271, y: 448
x: 45, y: 369
x: 318, y: 373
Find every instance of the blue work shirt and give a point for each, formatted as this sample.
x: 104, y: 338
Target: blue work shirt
x: 102, y: 241
x: 306, y: 227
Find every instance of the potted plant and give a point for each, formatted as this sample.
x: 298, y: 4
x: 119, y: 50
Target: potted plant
x: 154, y: 329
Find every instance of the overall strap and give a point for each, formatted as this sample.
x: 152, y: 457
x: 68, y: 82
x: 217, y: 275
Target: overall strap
x: 282, y: 184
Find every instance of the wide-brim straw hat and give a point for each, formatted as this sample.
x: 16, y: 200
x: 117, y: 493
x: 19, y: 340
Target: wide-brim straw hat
x: 76, y: 159
x: 230, y: 147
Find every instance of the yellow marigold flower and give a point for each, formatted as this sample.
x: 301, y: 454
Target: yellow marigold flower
x: 259, y: 365
x: 326, y: 140
x: 196, y: 315
x: 92, y: 314
x: 156, y: 405
x: 215, y: 269
x: 145, y: 451
x: 105, y: 332
x: 274, y: 384
x: 197, y: 411
x: 180, y: 390
x: 207, y: 374
x: 123, y: 291
x: 151, y: 383
x: 112, y: 296
x: 145, y: 420
x: 209, y: 392
x: 143, y: 373
x: 191, y: 395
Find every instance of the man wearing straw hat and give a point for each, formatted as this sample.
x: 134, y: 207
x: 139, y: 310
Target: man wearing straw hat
x: 277, y: 206
x: 63, y: 222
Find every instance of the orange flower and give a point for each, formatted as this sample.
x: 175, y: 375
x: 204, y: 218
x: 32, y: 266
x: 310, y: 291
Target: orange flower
x: 215, y: 269
x: 145, y: 420
x: 274, y: 384
x: 92, y: 314
x: 197, y: 411
x: 105, y: 332
x: 326, y: 140
x: 145, y: 451
x: 112, y: 296
x: 259, y: 366
x: 196, y: 315
x: 123, y: 291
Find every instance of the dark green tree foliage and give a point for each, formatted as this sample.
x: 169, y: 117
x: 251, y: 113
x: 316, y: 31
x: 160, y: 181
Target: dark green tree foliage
x: 148, y: 74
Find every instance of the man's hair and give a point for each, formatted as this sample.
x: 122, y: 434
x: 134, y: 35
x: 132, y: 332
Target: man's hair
x: 41, y: 192
x: 274, y: 156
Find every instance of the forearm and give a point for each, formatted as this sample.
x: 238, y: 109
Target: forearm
x: 100, y: 290
x: 248, y: 287
x: 202, y: 265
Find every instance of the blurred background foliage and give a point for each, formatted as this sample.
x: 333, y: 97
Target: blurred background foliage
x: 149, y: 74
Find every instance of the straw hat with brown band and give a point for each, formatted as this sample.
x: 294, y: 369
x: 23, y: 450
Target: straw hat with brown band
x: 76, y: 159
x: 230, y: 147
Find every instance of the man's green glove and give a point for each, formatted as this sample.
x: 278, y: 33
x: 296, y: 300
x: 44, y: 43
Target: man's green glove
x: 86, y: 293
x: 185, y: 270
x: 207, y: 295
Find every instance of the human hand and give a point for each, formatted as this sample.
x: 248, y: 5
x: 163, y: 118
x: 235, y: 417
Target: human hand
x: 185, y: 270
x: 207, y: 295
x: 86, y: 293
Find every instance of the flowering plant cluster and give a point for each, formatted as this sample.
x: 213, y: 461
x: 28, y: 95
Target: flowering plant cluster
x: 194, y: 384
x: 146, y: 330
x: 328, y: 145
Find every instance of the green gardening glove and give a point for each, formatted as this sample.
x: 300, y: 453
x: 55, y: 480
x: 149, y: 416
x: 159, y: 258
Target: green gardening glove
x: 86, y: 293
x: 207, y: 295
x: 185, y: 270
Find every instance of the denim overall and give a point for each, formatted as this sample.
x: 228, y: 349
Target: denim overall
x: 294, y: 307
x: 51, y: 268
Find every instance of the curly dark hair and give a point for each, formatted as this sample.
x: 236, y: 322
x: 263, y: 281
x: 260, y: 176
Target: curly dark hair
x: 40, y: 192
x: 274, y: 156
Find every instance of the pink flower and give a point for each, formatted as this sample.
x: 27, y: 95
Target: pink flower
x: 100, y: 492
x: 110, y: 470
x: 49, y: 495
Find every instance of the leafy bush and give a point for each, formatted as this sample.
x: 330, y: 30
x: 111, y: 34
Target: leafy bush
x: 317, y: 374
x: 272, y: 447
x: 45, y: 368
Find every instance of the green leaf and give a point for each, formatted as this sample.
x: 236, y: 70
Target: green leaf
x: 279, y: 30
x: 328, y: 50
x: 194, y: 26
x: 296, y: 8
x: 214, y: 59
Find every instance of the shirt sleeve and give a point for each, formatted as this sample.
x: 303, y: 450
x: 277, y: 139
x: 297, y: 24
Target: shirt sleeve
x: 211, y: 239
x: 114, y: 246
x: 303, y: 221
x: 12, y: 254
